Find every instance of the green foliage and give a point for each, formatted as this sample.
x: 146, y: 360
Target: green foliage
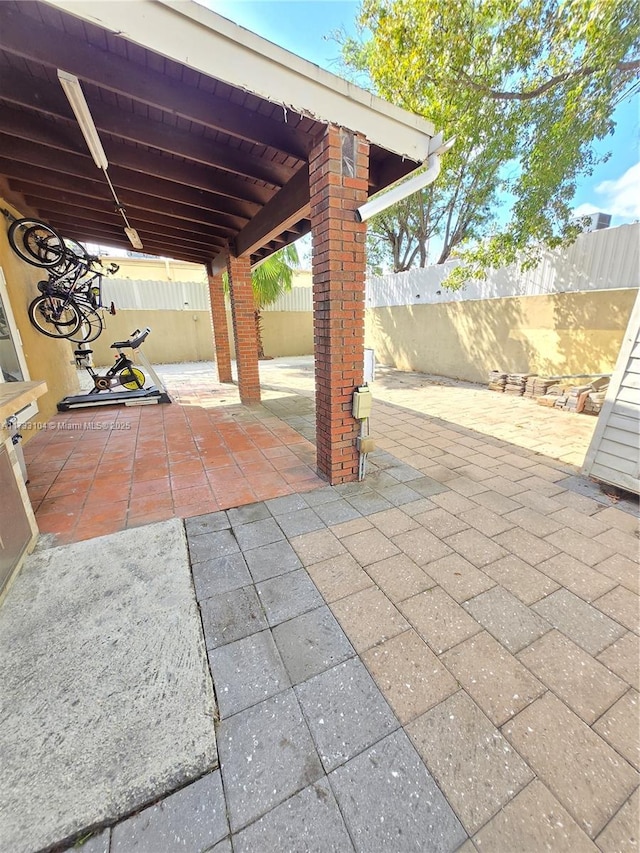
x: 274, y: 276
x: 526, y: 87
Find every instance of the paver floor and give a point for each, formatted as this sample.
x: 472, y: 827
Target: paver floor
x: 443, y: 657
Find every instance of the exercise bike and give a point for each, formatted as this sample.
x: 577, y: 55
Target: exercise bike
x: 122, y: 372
x: 124, y: 382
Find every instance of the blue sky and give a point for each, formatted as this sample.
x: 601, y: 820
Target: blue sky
x: 304, y: 27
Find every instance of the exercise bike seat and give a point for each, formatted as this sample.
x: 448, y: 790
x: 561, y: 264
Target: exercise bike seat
x: 137, y: 337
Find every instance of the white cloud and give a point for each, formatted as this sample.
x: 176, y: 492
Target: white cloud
x: 585, y: 210
x: 621, y: 197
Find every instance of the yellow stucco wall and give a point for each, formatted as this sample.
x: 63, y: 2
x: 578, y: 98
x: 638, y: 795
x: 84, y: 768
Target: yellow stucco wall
x: 178, y: 336
x: 47, y: 359
x: 552, y: 334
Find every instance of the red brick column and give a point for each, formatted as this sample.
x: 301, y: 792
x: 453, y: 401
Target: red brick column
x: 244, y: 328
x: 338, y: 179
x: 220, y: 331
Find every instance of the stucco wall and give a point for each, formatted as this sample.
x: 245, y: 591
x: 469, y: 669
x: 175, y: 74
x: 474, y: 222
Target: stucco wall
x: 178, y: 336
x: 553, y: 334
x: 47, y: 359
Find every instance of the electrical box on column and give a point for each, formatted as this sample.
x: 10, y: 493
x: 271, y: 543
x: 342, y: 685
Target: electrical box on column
x: 362, y: 402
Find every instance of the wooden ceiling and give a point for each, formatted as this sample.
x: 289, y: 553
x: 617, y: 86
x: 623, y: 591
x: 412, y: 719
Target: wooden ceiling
x: 196, y: 163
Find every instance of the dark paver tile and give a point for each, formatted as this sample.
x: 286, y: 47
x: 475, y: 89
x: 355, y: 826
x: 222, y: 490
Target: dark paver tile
x: 345, y: 711
x: 335, y: 512
x: 299, y: 522
x: 390, y: 802
x: 311, y: 643
x: 581, y: 622
x: 368, y: 502
x: 287, y: 596
x: 231, y: 616
x: 247, y: 514
x: 193, y: 820
x: 247, y: 672
x: 399, y: 494
x: 212, y: 577
x: 266, y: 755
x: 209, y: 523
x: 208, y: 546
x: 309, y: 822
x: 321, y: 496
x: 286, y: 504
x: 269, y: 561
x: 257, y: 533
x: 473, y: 764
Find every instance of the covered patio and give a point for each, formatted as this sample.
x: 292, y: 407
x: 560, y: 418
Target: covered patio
x: 222, y: 148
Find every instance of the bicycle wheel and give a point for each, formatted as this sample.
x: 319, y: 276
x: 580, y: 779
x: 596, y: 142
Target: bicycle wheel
x: 91, y: 325
x: 132, y: 378
x: 36, y: 243
x: 55, y: 316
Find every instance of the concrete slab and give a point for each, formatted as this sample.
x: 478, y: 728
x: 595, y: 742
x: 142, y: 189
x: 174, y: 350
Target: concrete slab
x: 107, y: 702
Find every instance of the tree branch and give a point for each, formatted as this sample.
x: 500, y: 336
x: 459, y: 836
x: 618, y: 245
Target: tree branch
x: 632, y: 65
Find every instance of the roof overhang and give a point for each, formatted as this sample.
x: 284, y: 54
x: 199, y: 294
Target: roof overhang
x: 207, y: 126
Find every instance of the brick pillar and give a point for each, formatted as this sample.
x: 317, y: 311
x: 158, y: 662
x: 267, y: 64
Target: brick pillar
x: 244, y: 328
x: 338, y: 179
x: 220, y: 331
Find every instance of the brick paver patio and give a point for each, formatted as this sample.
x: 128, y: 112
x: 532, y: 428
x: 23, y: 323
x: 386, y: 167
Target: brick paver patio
x: 443, y: 657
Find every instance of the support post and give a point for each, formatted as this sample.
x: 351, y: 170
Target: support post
x: 338, y: 180
x: 220, y: 330
x: 244, y: 328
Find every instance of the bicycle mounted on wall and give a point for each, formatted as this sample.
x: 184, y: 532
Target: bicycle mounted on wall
x: 71, y: 296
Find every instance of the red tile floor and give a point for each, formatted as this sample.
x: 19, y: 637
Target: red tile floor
x: 97, y: 471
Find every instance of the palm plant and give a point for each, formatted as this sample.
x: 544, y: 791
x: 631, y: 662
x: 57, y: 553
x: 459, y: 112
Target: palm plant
x: 270, y: 280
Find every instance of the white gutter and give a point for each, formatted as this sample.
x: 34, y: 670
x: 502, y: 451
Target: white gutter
x: 194, y: 36
x: 405, y: 187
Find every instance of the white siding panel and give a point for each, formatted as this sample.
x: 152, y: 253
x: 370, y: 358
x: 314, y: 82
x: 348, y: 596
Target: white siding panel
x: 614, y: 453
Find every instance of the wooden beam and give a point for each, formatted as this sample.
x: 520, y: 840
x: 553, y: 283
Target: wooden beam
x: 23, y: 35
x: 82, y: 176
x: 70, y: 217
x: 132, y: 202
x: 285, y: 209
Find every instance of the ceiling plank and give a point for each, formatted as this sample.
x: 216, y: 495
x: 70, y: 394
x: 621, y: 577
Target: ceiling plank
x: 144, y: 131
x: 22, y: 128
x: 24, y: 36
x: 89, y: 180
x: 69, y: 216
x: 132, y: 201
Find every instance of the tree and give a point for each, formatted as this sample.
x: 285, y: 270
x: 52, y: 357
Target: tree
x: 270, y: 280
x: 526, y: 87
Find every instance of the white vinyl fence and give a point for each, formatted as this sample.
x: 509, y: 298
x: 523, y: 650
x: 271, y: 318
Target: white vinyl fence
x: 598, y: 260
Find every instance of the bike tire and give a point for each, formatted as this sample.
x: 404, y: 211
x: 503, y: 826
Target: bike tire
x: 91, y: 326
x: 55, y: 316
x: 132, y: 378
x: 37, y: 243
